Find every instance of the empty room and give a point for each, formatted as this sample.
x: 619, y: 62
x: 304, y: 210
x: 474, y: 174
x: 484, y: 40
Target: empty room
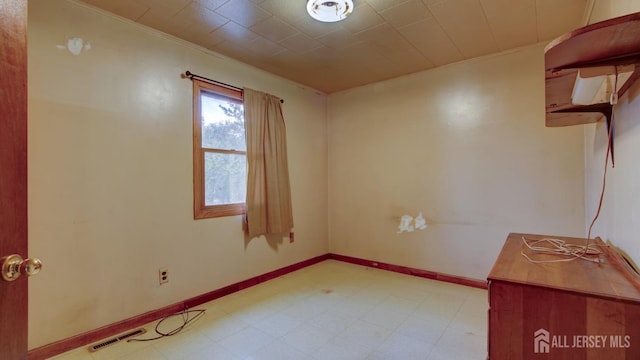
x: 293, y: 179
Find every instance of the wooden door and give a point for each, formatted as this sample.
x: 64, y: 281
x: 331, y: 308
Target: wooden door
x: 13, y: 173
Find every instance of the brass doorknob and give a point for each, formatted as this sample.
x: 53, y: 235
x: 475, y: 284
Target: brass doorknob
x: 14, y: 265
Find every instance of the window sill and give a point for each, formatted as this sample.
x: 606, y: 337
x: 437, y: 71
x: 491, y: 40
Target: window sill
x: 207, y: 212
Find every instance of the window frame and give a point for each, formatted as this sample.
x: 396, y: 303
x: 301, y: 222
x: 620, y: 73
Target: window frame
x: 200, y: 210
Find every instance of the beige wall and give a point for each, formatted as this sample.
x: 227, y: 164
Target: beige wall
x: 110, y: 174
x: 619, y: 220
x: 466, y: 145
x: 606, y: 9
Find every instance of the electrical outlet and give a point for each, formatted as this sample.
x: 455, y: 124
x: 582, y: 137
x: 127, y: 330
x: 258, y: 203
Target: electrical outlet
x: 163, y: 275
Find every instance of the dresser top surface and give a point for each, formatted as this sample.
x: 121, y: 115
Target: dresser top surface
x: 604, y: 278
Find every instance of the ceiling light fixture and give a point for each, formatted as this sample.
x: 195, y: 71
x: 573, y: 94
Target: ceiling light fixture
x: 329, y: 11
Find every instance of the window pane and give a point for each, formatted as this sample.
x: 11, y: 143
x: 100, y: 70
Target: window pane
x: 225, y: 178
x: 222, y: 123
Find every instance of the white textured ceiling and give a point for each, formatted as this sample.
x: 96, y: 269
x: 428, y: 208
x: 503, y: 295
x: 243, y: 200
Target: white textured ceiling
x: 382, y: 39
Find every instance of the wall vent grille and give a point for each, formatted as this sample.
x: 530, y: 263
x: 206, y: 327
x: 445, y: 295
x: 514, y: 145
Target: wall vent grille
x: 103, y: 344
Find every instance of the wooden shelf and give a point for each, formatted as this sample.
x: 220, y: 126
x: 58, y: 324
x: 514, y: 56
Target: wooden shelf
x: 612, y: 42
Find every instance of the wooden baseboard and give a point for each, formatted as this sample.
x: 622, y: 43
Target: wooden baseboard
x: 64, y: 345
x: 480, y: 284
x: 104, y: 332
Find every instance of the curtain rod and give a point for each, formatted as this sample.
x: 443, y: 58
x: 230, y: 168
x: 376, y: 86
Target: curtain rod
x: 191, y: 75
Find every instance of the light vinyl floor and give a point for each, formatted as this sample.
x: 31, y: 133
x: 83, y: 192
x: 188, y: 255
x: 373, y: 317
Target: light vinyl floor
x: 328, y: 311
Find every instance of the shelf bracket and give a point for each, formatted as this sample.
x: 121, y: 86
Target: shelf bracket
x: 606, y: 110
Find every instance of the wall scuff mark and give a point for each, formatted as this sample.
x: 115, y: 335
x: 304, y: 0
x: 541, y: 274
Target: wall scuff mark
x: 75, y: 45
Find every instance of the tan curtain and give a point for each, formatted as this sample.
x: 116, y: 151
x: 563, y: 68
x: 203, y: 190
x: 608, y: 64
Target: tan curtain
x: 268, y: 191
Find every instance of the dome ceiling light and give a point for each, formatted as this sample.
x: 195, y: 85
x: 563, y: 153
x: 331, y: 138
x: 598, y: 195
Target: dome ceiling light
x: 329, y: 11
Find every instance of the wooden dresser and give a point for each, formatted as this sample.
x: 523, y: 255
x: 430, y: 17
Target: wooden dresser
x: 564, y: 310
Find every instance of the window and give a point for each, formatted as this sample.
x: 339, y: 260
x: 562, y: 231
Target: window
x: 219, y: 151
